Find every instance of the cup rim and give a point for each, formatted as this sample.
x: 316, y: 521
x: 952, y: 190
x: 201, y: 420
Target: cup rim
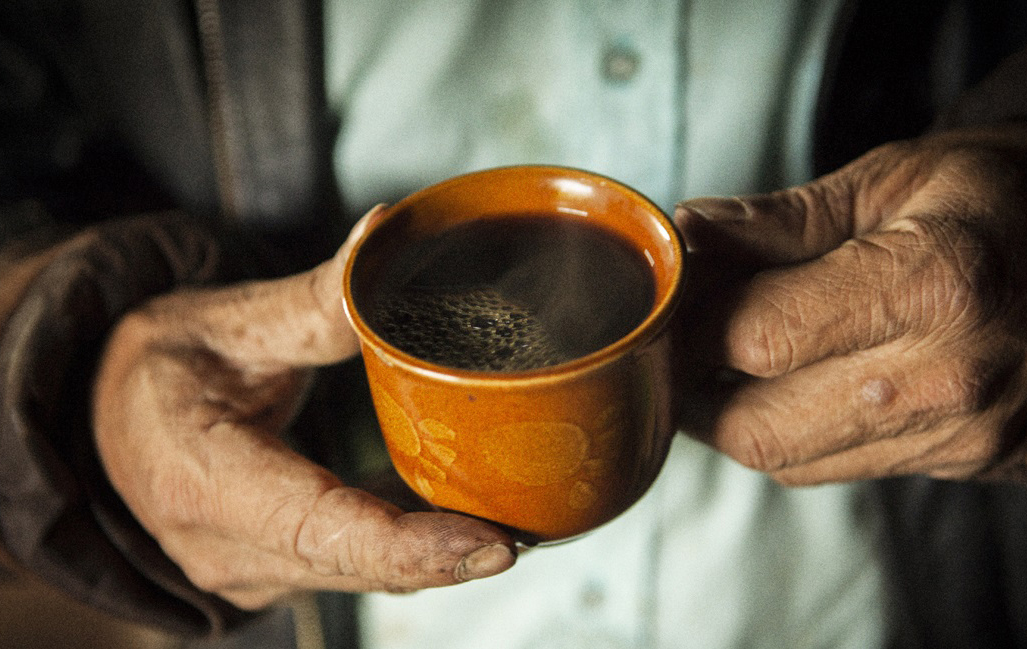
x: 654, y: 322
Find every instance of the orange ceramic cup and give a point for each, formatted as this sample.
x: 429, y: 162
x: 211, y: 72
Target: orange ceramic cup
x: 552, y: 452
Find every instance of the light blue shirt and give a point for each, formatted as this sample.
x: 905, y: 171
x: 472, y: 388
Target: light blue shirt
x: 677, y: 99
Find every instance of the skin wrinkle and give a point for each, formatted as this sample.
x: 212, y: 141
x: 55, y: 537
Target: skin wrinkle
x: 773, y: 353
x: 767, y: 349
x: 794, y: 324
x: 970, y: 290
x: 317, y: 332
x: 966, y: 459
x: 859, y: 432
x: 885, y: 187
x: 344, y: 563
x: 929, y: 282
x: 354, y: 552
x: 307, y: 544
x: 858, y: 309
x: 897, y: 313
x: 831, y: 197
x: 920, y: 426
x: 941, y: 419
x: 186, y: 506
x: 253, y: 589
x: 755, y: 445
x: 906, y: 430
x: 950, y: 280
x: 846, y: 464
x: 897, y: 303
x: 975, y: 452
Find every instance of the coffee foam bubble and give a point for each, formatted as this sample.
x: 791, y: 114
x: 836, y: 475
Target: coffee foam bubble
x: 473, y: 328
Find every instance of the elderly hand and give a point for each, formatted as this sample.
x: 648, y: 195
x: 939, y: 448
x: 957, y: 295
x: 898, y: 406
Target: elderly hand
x: 193, y: 393
x: 882, y: 326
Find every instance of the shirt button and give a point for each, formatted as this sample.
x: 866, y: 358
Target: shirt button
x: 620, y: 63
x: 592, y: 596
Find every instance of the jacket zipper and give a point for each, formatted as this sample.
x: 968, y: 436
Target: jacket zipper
x: 219, y: 108
x: 306, y: 616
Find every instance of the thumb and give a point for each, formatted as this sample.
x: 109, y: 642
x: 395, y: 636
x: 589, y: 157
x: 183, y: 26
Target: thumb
x: 784, y: 227
x: 344, y: 538
x: 291, y: 321
x: 261, y: 521
x: 804, y: 222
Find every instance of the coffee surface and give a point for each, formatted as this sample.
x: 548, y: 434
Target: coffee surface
x: 513, y: 294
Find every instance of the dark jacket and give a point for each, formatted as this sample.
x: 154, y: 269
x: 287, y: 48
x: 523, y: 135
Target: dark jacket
x: 146, y: 145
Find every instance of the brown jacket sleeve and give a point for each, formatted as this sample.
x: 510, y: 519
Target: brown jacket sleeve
x: 59, y: 516
x: 1000, y: 97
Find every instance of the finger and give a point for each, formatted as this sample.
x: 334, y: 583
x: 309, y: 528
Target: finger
x: 316, y: 532
x: 864, y: 293
x: 975, y: 445
x: 292, y: 321
x: 945, y: 455
x: 756, y: 231
x: 892, y: 392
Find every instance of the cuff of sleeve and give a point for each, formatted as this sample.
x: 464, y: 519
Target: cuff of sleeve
x: 59, y: 515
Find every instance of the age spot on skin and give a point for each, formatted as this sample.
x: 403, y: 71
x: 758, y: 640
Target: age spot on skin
x: 878, y: 392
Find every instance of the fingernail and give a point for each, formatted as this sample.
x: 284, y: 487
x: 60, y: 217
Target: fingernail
x: 484, y: 562
x: 714, y: 208
x: 365, y: 222
x: 376, y: 212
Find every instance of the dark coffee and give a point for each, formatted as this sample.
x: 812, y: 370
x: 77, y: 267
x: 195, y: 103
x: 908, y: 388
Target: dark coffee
x: 514, y: 293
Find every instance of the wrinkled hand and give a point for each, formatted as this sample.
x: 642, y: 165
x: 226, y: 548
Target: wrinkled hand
x: 878, y: 316
x: 193, y: 393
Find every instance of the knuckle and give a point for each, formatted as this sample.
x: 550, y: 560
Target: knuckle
x: 956, y: 275
x: 371, y: 547
x: 830, y: 196
x: 759, y: 452
x: 179, y: 502
x: 316, y: 537
x: 869, y: 292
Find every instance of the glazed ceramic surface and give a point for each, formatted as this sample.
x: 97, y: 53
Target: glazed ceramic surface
x: 551, y: 452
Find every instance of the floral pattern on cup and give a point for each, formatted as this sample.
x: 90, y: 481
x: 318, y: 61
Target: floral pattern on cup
x: 569, y: 451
